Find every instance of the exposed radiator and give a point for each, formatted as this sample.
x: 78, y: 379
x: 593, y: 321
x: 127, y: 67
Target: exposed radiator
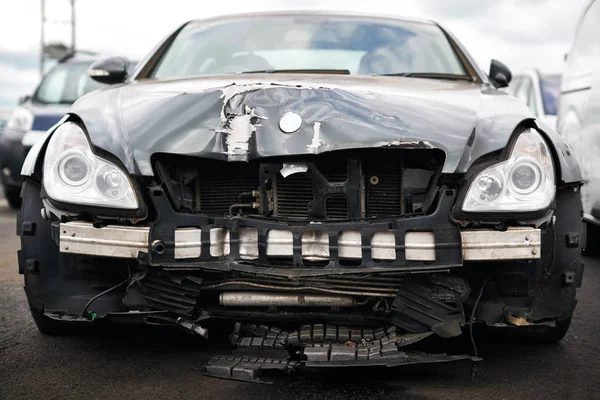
x: 294, y: 195
x: 384, y: 188
x: 366, y: 183
x: 219, y: 187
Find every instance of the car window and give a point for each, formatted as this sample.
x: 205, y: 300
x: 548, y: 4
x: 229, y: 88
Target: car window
x: 51, y: 88
x: 532, y: 101
x: 586, y: 48
x: 526, y: 93
x: 361, y: 46
x: 65, y: 83
x: 524, y: 89
x: 550, y: 89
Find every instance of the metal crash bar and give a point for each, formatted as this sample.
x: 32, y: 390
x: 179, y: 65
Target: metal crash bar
x: 127, y: 242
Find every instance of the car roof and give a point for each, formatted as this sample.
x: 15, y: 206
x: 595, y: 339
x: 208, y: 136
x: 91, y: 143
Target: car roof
x: 81, y: 56
x: 78, y: 56
x: 319, y: 13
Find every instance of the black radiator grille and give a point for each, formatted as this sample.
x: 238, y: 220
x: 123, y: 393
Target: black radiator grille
x: 220, y: 186
x: 336, y: 207
x: 294, y: 196
x: 384, y: 188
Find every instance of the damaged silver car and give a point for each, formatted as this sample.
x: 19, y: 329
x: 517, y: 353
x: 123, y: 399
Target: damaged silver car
x: 336, y: 187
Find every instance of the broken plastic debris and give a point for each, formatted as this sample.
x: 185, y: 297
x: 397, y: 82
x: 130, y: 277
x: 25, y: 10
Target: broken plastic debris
x: 293, y: 168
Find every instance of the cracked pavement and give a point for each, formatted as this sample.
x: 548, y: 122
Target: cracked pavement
x: 147, y: 362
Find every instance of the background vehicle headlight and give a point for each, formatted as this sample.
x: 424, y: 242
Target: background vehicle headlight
x: 524, y: 182
x: 19, y: 123
x: 74, y: 174
x: 21, y: 119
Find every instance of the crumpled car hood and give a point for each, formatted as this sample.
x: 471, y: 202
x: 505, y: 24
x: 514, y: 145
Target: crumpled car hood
x: 237, y: 118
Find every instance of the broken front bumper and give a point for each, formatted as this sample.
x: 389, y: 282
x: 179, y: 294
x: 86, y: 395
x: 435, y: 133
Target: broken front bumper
x: 184, y: 240
x: 128, y: 242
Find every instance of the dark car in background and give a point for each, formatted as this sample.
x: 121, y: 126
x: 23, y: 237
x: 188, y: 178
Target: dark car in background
x: 60, y: 87
x: 539, y: 91
x: 336, y: 186
x: 579, y: 114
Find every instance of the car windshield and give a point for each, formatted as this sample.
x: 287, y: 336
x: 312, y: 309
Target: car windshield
x: 350, y: 45
x: 550, y: 86
x: 65, y: 83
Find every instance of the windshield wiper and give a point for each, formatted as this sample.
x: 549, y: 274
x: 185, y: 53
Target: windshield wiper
x: 431, y: 75
x: 299, y: 71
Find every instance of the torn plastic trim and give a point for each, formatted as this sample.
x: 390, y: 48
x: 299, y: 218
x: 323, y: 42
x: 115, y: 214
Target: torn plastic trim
x: 75, y: 318
x: 318, y: 346
x: 293, y: 168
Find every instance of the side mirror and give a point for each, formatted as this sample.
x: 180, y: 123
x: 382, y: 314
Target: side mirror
x: 109, y: 70
x: 24, y: 99
x: 500, y: 75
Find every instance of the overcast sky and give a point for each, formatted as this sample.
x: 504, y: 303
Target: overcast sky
x: 521, y: 33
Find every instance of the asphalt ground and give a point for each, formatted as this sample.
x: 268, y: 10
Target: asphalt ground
x: 129, y: 362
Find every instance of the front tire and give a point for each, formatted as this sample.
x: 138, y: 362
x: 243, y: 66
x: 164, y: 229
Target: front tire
x: 13, y: 196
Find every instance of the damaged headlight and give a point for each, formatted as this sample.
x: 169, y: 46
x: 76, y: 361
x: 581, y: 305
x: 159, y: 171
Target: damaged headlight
x: 74, y: 174
x: 524, y: 182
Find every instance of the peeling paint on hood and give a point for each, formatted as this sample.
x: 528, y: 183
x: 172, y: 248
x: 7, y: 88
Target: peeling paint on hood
x: 412, y: 144
x: 239, y: 129
x: 316, y: 140
x: 234, y: 90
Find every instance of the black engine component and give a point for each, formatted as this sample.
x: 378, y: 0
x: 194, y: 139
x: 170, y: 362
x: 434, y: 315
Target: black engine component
x: 433, y: 302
